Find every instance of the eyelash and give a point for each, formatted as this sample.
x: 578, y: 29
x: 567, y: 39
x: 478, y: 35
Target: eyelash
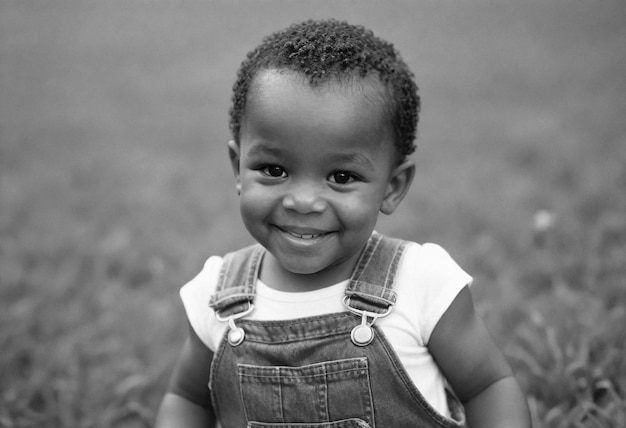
x: 265, y: 169
x: 349, y: 176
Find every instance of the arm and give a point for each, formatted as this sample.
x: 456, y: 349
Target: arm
x: 187, y: 402
x: 476, y: 369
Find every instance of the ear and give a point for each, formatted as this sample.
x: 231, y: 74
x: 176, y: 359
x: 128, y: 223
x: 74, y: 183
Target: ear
x: 234, y: 155
x: 398, y: 186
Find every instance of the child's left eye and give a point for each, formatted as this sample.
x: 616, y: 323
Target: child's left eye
x: 342, y: 177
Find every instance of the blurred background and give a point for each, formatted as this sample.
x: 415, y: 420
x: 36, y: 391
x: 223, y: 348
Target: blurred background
x: 115, y: 187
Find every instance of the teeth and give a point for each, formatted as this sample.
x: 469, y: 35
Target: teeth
x: 305, y: 236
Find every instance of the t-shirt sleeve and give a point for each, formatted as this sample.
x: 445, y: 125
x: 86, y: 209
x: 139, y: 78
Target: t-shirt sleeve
x: 438, y: 280
x: 196, y: 295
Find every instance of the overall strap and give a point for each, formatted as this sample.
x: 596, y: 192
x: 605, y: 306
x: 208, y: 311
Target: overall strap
x: 236, y: 285
x: 370, y: 287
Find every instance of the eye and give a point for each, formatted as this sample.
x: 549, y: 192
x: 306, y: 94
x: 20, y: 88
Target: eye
x: 342, y: 177
x: 274, y: 171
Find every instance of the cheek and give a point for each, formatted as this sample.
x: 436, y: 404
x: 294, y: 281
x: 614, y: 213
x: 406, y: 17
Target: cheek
x: 254, y: 204
x: 252, y: 215
x: 358, y: 210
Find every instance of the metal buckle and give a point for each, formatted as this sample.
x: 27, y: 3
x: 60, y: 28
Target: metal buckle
x: 363, y: 334
x: 236, y: 335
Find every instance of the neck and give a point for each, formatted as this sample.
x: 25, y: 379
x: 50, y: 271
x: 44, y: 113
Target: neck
x: 278, y: 278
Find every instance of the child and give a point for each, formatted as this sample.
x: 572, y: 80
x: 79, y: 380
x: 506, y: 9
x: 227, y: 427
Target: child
x: 326, y: 323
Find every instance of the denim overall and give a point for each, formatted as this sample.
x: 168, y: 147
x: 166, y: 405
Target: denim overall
x: 335, y: 370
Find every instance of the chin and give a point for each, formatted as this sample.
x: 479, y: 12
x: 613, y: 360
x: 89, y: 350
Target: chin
x: 299, y: 268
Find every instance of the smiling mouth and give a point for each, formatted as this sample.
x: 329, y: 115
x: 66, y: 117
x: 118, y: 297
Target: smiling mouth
x: 306, y: 235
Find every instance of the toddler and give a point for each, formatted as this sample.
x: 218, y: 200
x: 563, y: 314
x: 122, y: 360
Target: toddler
x: 325, y: 322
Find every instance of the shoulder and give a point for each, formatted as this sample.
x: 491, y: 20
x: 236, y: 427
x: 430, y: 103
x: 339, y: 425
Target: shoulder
x: 427, y: 282
x: 195, y: 296
x: 430, y: 263
x: 204, y: 283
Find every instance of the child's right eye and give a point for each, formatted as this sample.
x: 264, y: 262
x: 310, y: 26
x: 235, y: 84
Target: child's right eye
x: 274, y: 171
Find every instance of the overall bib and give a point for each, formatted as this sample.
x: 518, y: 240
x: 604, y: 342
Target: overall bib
x: 335, y: 370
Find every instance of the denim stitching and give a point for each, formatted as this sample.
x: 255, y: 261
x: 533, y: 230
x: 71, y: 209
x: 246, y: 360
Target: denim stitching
x: 251, y: 266
x: 365, y: 258
x: 386, y: 293
x: 227, y: 296
x: 280, y: 399
x: 223, y: 273
x: 393, y: 266
x: 390, y: 269
x: 253, y: 269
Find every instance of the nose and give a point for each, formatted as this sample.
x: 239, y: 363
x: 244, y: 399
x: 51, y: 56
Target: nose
x: 304, y: 199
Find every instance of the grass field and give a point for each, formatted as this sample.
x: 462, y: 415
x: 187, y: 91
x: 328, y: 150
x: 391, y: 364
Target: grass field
x: 115, y: 187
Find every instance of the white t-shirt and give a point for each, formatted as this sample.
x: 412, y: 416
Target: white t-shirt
x: 426, y: 283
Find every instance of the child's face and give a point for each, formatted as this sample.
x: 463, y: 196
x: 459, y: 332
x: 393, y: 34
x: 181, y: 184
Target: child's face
x: 315, y: 166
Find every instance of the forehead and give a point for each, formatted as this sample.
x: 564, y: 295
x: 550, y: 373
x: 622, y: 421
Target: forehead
x: 352, y: 107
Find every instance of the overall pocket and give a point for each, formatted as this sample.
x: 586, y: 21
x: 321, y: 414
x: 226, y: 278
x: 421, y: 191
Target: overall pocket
x: 335, y: 392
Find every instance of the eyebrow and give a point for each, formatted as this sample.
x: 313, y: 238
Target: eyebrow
x: 355, y: 158
x: 333, y: 158
x: 262, y: 149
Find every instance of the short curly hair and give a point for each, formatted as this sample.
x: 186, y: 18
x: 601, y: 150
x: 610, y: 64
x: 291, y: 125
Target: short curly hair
x: 332, y: 50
